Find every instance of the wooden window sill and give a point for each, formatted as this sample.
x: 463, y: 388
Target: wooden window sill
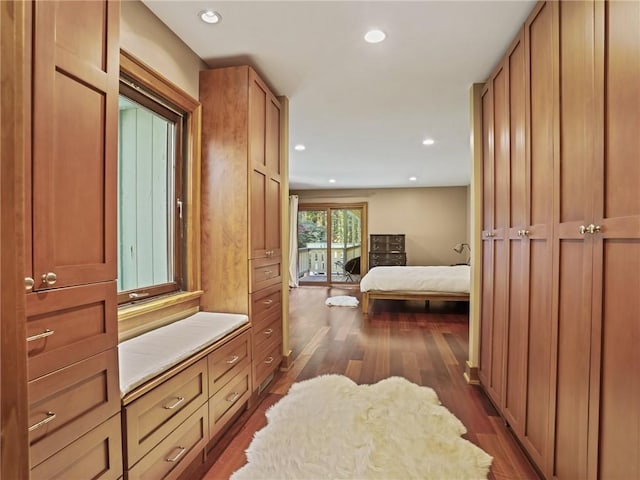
x: 138, y: 318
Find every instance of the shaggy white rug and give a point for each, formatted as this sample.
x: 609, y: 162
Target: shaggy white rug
x: 331, y: 428
x: 342, y: 301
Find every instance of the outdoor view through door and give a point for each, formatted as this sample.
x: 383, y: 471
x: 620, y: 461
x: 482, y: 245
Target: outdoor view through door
x: 337, y: 261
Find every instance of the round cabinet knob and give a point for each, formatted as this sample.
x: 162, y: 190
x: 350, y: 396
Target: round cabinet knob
x: 49, y: 278
x: 29, y: 283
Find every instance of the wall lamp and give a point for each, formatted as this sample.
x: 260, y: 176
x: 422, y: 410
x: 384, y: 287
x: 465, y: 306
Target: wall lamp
x: 459, y: 248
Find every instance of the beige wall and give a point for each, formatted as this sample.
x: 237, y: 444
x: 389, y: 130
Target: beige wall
x: 143, y: 35
x: 433, y: 219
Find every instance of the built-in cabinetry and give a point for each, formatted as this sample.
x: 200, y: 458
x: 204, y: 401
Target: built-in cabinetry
x: 561, y: 238
x: 71, y: 264
x: 386, y: 250
x: 241, y: 207
x: 196, y: 387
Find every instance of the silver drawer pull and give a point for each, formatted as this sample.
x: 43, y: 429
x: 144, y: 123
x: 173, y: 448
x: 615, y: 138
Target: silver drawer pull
x: 269, y: 360
x: 268, y: 302
x: 178, y: 401
x: 268, y: 332
x: 177, y: 456
x: 268, y: 272
x: 50, y: 417
x: 45, y: 334
x: 233, y: 397
x: 233, y: 359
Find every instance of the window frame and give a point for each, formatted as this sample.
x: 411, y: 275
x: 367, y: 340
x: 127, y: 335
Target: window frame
x: 148, y: 101
x: 146, y: 314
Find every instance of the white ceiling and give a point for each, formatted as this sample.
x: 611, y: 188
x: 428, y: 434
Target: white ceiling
x: 362, y: 110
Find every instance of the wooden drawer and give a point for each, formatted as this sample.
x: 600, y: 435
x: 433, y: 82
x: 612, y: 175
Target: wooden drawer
x: 227, y: 361
x: 150, y: 418
x: 263, y: 365
x: 265, y: 338
x: 265, y: 272
x: 387, y: 243
x: 264, y: 303
x: 97, y: 454
x: 228, y: 401
x: 175, y: 453
x: 389, y: 259
x: 70, y: 402
x: 67, y: 325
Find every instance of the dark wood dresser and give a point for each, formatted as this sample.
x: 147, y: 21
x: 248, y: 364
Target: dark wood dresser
x: 386, y: 249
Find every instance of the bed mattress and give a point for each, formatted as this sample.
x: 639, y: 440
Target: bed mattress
x: 455, y: 279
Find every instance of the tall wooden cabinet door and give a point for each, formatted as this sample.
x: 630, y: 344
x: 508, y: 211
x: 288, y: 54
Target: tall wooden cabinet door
x: 574, y: 180
x: 616, y: 289
x: 486, y: 325
x: 500, y: 81
x: 273, y: 208
x: 517, y: 318
x: 75, y: 120
x: 541, y: 41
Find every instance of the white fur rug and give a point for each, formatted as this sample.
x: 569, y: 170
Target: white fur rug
x: 331, y: 428
x: 342, y: 301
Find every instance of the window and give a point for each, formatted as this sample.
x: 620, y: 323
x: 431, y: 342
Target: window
x: 150, y: 201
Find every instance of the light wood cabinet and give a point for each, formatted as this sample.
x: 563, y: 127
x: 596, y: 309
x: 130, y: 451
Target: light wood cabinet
x: 241, y: 197
x: 560, y: 376
x: 71, y: 237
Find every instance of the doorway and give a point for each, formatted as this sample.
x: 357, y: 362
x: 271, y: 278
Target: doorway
x: 338, y: 261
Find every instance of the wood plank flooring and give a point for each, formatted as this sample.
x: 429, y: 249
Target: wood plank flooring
x: 428, y: 347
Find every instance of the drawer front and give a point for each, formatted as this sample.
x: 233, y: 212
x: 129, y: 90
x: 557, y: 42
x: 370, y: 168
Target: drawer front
x: 265, y: 302
x: 228, y: 401
x: 387, y: 243
x: 267, y: 363
x: 67, y: 325
x: 388, y: 259
x: 97, y: 454
x: 267, y: 337
x: 265, y: 272
x: 150, y: 418
x: 228, y: 360
x: 175, y: 453
x: 70, y: 402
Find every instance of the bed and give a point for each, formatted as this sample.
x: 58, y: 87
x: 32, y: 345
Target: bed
x: 416, y: 283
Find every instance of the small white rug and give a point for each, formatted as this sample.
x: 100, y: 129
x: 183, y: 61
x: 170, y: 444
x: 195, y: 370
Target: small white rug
x: 342, y: 301
x: 331, y: 428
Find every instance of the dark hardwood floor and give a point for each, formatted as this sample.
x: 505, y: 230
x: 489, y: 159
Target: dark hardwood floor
x: 428, y: 347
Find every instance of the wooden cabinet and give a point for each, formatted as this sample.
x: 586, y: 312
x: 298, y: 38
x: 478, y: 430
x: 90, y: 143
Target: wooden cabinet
x: 71, y: 238
x: 560, y: 375
x: 174, y: 419
x: 387, y: 250
x: 241, y: 196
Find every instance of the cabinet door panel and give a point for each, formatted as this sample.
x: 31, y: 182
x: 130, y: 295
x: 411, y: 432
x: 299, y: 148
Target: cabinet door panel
x: 273, y: 218
x: 620, y: 391
x: 272, y: 140
x: 75, y: 141
x: 258, y: 226
x: 258, y: 98
x: 616, y: 303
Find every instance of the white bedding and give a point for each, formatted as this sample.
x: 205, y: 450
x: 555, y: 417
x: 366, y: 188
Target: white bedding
x: 144, y: 357
x: 456, y: 279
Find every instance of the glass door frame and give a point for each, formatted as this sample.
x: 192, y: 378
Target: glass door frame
x: 364, y: 235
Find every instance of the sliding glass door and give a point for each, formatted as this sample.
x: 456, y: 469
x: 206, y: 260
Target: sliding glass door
x: 323, y: 262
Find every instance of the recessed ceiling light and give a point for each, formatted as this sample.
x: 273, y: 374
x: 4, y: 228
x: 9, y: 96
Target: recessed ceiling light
x: 300, y: 147
x: 413, y: 179
x: 374, y: 36
x: 209, y: 16
x: 428, y: 141
x: 332, y: 180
